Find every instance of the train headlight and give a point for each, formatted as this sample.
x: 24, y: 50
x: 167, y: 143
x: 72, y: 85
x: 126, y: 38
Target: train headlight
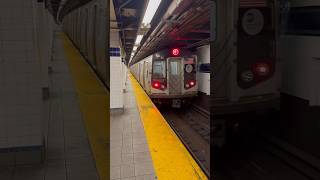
x: 247, y: 76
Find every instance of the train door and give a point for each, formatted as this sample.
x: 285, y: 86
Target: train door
x: 94, y: 33
x: 138, y: 70
x: 140, y: 74
x: 174, y: 75
x: 144, y: 75
x: 147, y: 77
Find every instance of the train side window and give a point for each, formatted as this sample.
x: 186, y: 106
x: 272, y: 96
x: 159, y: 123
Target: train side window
x: 159, y: 69
x: 304, y: 21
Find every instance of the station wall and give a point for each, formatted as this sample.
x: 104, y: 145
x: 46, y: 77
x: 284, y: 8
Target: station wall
x: 301, y: 67
x: 117, y: 72
x: 25, y: 52
x: 203, y: 54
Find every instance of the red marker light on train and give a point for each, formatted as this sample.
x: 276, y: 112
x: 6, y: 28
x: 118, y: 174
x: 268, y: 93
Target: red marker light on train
x: 156, y: 84
x: 190, y: 84
x: 175, y: 52
x: 261, y: 69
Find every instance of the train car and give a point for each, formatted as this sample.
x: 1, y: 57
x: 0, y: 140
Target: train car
x: 300, y: 49
x: 86, y: 27
x: 168, y: 76
x: 246, y: 67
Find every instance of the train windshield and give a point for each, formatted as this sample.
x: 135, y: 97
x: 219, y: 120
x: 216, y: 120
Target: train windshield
x: 174, y: 67
x: 159, y: 69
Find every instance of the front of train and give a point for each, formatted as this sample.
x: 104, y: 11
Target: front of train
x: 174, y: 77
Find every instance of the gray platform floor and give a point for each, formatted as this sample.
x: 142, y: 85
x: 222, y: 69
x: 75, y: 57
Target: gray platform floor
x: 130, y: 155
x: 68, y: 153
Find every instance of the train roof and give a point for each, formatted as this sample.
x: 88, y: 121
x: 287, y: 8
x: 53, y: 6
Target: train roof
x: 169, y: 52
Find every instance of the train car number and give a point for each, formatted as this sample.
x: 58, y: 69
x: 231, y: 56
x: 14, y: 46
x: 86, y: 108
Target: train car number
x: 176, y: 103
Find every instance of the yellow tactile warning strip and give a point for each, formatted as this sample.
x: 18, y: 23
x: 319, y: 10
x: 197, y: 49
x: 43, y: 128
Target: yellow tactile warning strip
x: 94, y: 104
x: 171, y: 159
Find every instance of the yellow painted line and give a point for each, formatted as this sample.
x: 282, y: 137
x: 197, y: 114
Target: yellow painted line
x: 94, y: 104
x: 171, y: 159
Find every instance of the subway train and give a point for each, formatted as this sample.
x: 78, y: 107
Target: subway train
x: 246, y: 66
x: 168, y: 76
x: 86, y: 28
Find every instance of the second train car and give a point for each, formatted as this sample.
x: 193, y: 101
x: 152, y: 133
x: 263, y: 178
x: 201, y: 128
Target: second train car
x: 168, y: 76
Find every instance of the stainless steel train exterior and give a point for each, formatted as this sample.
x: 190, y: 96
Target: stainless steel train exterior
x: 300, y: 49
x: 168, y: 76
x: 86, y: 27
x: 246, y: 67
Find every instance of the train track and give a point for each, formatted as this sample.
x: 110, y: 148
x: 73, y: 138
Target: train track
x: 256, y: 156
x: 192, y: 125
x: 200, y: 125
x: 267, y: 163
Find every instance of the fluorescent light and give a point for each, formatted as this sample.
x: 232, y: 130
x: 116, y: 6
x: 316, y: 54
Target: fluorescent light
x: 135, y: 48
x: 151, y: 10
x: 138, y: 40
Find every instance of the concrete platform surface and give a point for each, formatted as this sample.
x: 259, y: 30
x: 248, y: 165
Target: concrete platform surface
x: 130, y: 156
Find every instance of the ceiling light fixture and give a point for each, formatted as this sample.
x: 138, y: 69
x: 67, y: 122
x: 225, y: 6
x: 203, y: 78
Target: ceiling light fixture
x: 138, y: 39
x: 135, y: 48
x: 150, y: 12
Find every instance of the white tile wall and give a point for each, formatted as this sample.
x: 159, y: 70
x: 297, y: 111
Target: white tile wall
x: 116, y: 83
x: 203, y: 54
x: 114, y: 39
x: 21, y: 104
x: 116, y: 75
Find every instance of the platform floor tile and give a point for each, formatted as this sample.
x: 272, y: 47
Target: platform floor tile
x: 68, y: 155
x: 130, y: 155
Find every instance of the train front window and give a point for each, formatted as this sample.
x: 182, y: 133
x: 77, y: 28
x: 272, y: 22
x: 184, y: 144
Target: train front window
x: 159, y: 69
x: 174, y: 68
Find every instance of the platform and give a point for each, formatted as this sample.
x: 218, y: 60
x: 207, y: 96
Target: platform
x: 129, y: 153
x: 70, y: 151
x: 143, y: 145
